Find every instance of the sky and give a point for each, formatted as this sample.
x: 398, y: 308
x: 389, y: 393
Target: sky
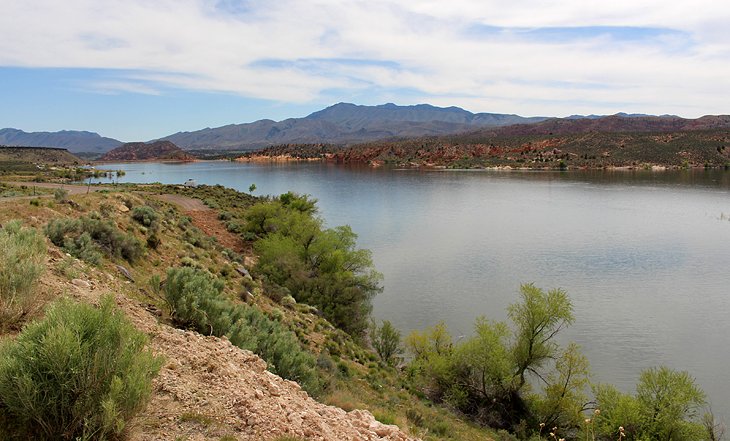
x: 143, y: 69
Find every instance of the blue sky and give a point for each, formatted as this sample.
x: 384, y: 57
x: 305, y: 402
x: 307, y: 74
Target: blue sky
x: 142, y: 69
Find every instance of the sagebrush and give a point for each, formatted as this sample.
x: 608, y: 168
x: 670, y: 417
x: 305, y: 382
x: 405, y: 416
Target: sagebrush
x: 196, y: 301
x: 81, y: 373
x: 21, y: 264
x: 88, y: 238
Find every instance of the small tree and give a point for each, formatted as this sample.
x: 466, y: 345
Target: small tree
x: 666, y: 406
x: 386, y: 342
x: 539, y: 318
x: 252, y: 188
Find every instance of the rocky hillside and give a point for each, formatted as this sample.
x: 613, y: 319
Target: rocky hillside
x: 345, y: 123
x: 37, y: 155
x: 141, y: 151
x: 613, y: 141
x: 207, y: 389
x: 73, y: 140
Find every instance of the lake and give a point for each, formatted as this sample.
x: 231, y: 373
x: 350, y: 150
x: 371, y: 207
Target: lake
x: 644, y: 255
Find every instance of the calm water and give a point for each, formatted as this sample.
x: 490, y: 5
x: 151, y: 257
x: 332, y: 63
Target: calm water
x: 644, y: 256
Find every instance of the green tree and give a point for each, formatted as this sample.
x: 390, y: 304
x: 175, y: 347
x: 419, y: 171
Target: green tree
x: 320, y: 267
x: 667, y: 407
x: 386, y: 342
x: 538, y: 319
x: 564, y: 393
x: 485, y: 375
x: 670, y: 403
x: 252, y: 188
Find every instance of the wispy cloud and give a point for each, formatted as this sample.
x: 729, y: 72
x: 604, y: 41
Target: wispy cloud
x: 530, y: 57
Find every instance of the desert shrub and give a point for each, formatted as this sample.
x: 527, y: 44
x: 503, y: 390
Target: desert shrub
x: 106, y: 209
x: 197, y: 238
x: 196, y: 301
x: 86, y: 238
x: 153, y: 241
x: 60, y: 194
x: 21, y: 263
x: 79, y: 374
x: 145, y: 215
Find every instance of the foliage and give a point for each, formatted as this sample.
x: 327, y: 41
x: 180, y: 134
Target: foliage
x: 145, y: 215
x: 538, y: 318
x: 60, y: 194
x: 485, y: 376
x: 79, y: 374
x: 196, y: 301
x: 86, y: 238
x: 386, y: 342
x: 666, y: 406
x: 317, y: 266
x: 21, y: 264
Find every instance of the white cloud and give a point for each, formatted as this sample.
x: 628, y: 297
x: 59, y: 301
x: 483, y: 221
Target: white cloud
x: 680, y: 65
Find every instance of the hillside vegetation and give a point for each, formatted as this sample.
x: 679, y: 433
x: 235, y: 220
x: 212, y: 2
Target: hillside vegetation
x: 141, y: 151
x: 296, y: 294
x: 637, y: 142
x: 31, y: 159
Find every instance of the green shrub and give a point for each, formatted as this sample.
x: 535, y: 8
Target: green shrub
x: 60, y: 194
x: 21, y: 263
x: 196, y: 301
x: 79, y: 374
x: 86, y: 238
x: 145, y: 215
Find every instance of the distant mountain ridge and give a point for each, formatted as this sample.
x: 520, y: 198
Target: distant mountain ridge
x: 619, y: 123
x: 73, y: 140
x: 346, y: 123
x: 141, y: 151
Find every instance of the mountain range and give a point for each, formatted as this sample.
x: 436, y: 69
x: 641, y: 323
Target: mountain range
x: 73, y: 140
x: 347, y: 124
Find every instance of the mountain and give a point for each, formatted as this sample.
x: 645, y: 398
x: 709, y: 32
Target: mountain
x: 72, y: 140
x: 611, y: 124
x: 36, y: 155
x: 140, y: 151
x: 346, y: 123
x: 611, y: 141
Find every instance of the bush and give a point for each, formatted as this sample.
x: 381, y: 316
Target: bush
x: 21, y: 263
x: 145, y: 215
x: 86, y: 238
x: 196, y: 301
x: 60, y: 194
x: 79, y: 374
